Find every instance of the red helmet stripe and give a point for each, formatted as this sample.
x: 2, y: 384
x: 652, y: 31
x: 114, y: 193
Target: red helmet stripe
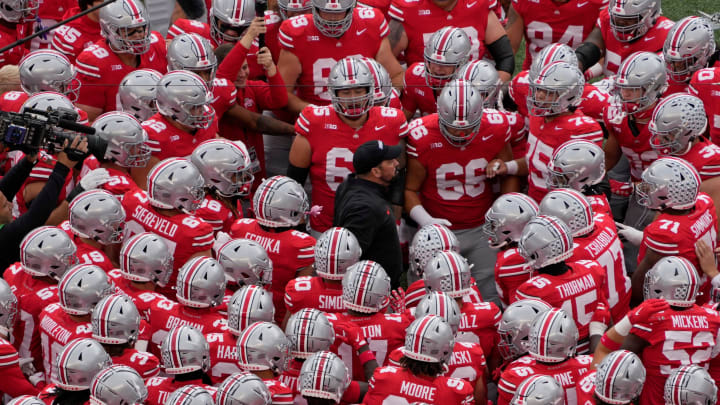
x: 607, y: 389
x: 365, y: 275
x: 455, y: 276
x: 202, y: 54
x: 320, y: 372
x: 444, y: 42
x: 335, y: 237
x: 246, y: 303
x: 133, y: 8
x: 265, y: 191
x: 106, y: 309
x: 420, y: 332
x: 244, y: 337
x: 443, y: 236
x: 238, y: 10
x: 303, y: 333
x: 461, y: 88
x: 550, y: 54
x: 349, y: 69
x: 680, y: 33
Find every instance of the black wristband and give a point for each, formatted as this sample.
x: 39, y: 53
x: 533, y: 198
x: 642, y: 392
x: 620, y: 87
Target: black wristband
x: 298, y: 174
x: 588, y: 54
x: 397, y: 188
x: 502, y: 53
x: 74, y: 193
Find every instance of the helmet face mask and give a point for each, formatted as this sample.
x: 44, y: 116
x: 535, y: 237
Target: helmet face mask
x: 225, y: 166
x: 137, y: 93
x: 445, y: 52
x: 125, y: 26
x: 352, y: 87
x: 557, y: 88
x: 688, y: 47
x: 460, y: 110
x: 676, y: 121
x: 193, y: 53
x: 16, y: 11
x: 332, y: 17
x: 631, y: 19
x: 184, y: 97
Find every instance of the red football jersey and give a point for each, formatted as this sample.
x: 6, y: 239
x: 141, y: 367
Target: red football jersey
x: 547, y: 22
x: 224, y: 94
x: 119, y: 183
x: 318, y: 53
x: 73, y: 37
x: 8, y: 35
x: 511, y: 271
x: 13, y: 382
x: 100, y: 71
x: 455, y: 184
x: 398, y: 385
x: 599, y: 204
x: 333, y: 143
x: 40, y: 173
x: 467, y: 362
x: 166, y: 141
x: 217, y: 214
x: 56, y: 330
x: 160, y: 388
x: 518, y: 133
x: 280, y: 393
x: 636, y: 148
x: 313, y: 292
x: 186, y: 26
x: 383, y: 332
x: 705, y: 158
x: 418, y: 95
x: 585, y: 389
x: 567, y: 373
x: 544, y: 137
x: 478, y: 324
x: 676, y: 338
x: 603, y: 246
x: 704, y: 85
x: 421, y: 18
x: 416, y: 291
x: 578, y: 291
x: 616, y: 51
x: 87, y: 254
x: 142, y: 299
x: 26, y: 333
x: 13, y: 101
x: 146, y: 364
x: 223, y: 356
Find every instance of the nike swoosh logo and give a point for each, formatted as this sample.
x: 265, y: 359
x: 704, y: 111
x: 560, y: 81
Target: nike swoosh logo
x: 380, y: 127
x: 152, y: 57
x: 485, y: 138
x: 471, y: 4
x: 360, y: 32
x: 582, y: 4
x: 649, y: 38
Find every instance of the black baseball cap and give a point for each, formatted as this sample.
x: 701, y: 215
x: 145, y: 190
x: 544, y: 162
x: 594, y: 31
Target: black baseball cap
x: 372, y: 153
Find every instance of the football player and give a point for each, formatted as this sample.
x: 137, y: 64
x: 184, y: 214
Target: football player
x: 514, y: 329
x: 689, y: 47
x: 702, y: 85
x: 323, y: 380
x: 353, y: 120
x: 619, y: 379
x: 14, y: 383
x: 280, y: 204
x: 689, y: 384
x: 74, y: 36
x: 539, y: 389
x: 127, y: 44
x: 385, y: 94
x: 447, y: 181
x: 118, y: 384
x: 16, y: 18
x: 137, y: 92
x: 243, y: 388
x: 245, y: 262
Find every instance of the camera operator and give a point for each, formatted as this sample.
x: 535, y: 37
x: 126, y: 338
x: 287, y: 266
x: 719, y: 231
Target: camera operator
x: 12, y: 232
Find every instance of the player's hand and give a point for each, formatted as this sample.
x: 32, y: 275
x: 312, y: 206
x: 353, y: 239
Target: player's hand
x: 95, y: 179
x: 629, y: 234
x: 496, y: 167
x: 621, y: 188
x: 647, y: 309
x: 706, y: 256
x: 264, y: 58
x: 77, y: 147
x: 220, y: 240
x: 421, y: 216
x: 257, y: 27
x: 397, y: 301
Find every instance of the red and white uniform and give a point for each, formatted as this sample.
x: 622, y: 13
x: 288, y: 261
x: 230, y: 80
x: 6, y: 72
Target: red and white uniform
x: 73, y: 37
x: 56, y: 330
x: 467, y: 362
x: 383, y: 332
x: 703, y: 85
x: 547, y: 22
x: 585, y: 389
x: 416, y: 291
x: 567, y: 373
x: 100, y: 71
x: 599, y: 204
x: 603, y: 246
x: 166, y: 141
x: 9, y: 35
x: 13, y: 382
x: 705, y: 158
x: 636, y: 148
x: 319, y: 53
x: 280, y: 393
x: 545, y: 137
x: 676, y: 338
x: 421, y: 18
x: 455, y: 184
x: 398, y: 385
x: 616, y: 51
x: 223, y: 355
x: 333, y: 143
x: 478, y: 324
x: 146, y: 364
x: 160, y: 388
x: 13, y: 101
x: 518, y: 133
x: 87, y: 254
x: 511, y: 271
x: 26, y: 334
x: 676, y: 235
x: 417, y: 94
x: 217, y: 214
x: 142, y: 299
x: 579, y: 291
x: 119, y: 183
x: 313, y: 292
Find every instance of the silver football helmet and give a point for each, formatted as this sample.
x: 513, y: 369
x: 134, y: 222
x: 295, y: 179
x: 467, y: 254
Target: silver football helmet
x: 125, y: 26
x: 688, y: 47
x: 82, y: 287
x: 383, y: 85
x: 190, y: 395
x: 545, y: 240
x: 8, y: 307
x: 200, y: 283
x: 235, y: 15
x: 186, y: 98
x: 324, y: 375
x: 619, y: 378
x: 572, y: 208
x: 263, y: 346
x: 440, y: 304
x: 514, y: 327
x: 115, y: 320
x: 49, y: 101
x: 448, y: 272
x: 296, y: 7
x: 366, y: 287
x: 631, y: 19
x: 447, y: 47
x: 506, y: 218
x: 47, y: 251
x: 668, y: 182
x: 243, y: 389
x: 351, y: 73
x: 193, y: 53
x: 309, y: 331
x: 336, y: 250
x: 48, y: 70
x: 539, y: 390
x: 557, y: 88
x: 249, y: 304
x: 576, y: 164
x: 97, y: 215
x: 673, y: 279
x: 280, y: 202
x: 429, y: 339
x: 145, y: 257
x: 690, y: 385
x: 427, y: 241
x: 16, y: 11
x: 483, y: 75
x: 245, y: 262
x: 137, y: 93
x: 225, y: 166
x: 332, y: 28
x: 126, y: 139
x: 460, y: 110
x: 557, y: 52
x: 676, y: 121
x: 26, y: 400
x: 175, y: 183
x: 553, y: 336
x: 118, y: 385
x: 642, y: 73
x: 78, y: 363
x: 185, y: 350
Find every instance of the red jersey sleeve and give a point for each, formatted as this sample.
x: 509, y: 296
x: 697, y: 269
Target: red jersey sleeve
x: 302, y: 124
x: 13, y: 381
x: 274, y: 95
x: 90, y: 67
x: 290, y: 30
x: 146, y: 364
x: 660, y: 240
x: 294, y: 296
